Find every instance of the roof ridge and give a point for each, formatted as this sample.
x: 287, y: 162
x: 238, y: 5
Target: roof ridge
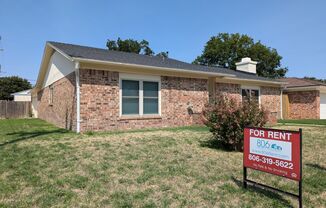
x: 146, y: 56
x: 113, y: 51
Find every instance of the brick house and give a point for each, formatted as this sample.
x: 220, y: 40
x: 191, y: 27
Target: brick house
x: 304, y: 99
x: 91, y: 89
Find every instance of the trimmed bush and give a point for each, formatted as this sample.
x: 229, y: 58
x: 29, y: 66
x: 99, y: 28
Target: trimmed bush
x: 227, y: 118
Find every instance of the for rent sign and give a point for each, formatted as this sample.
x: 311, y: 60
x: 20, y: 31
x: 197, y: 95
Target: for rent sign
x: 274, y: 151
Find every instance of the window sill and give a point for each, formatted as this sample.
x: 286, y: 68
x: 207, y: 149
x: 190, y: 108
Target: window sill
x: 138, y: 117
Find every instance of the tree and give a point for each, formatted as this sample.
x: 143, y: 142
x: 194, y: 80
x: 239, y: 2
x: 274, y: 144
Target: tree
x: 163, y: 54
x: 132, y: 46
x: 224, y: 50
x: 12, y: 84
x: 315, y: 79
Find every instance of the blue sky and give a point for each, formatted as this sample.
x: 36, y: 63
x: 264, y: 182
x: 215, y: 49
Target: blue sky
x: 297, y: 29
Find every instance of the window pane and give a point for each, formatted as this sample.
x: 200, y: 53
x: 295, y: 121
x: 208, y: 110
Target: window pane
x: 150, y: 105
x: 254, y: 95
x: 130, y: 88
x: 245, y: 94
x: 130, y: 106
x: 150, y: 89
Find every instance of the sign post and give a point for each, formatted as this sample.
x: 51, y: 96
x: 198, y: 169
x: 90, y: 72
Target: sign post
x: 278, y: 152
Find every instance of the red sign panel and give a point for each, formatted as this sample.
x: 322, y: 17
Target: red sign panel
x: 273, y: 151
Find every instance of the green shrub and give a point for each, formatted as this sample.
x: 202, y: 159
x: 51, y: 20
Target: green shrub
x: 227, y: 118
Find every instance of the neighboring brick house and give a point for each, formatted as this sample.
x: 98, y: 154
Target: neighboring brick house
x: 90, y: 89
x: 304, y: 99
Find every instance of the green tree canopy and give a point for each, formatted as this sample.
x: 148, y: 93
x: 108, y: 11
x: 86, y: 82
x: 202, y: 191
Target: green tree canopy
x: 163, y: 54
x: 12, y: 84
x: 224, y: 50
x: 315, y: 79
x: 132, y: 46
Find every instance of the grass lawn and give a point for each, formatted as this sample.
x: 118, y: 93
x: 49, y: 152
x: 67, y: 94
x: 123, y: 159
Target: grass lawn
x: 43, y: 166
x: 304, y: 121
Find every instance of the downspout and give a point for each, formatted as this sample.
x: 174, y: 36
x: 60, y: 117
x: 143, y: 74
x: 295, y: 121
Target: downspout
x: 77, y: 97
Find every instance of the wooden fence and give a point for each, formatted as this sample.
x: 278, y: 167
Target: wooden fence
x: 285, y: 106
x: 12, y: 109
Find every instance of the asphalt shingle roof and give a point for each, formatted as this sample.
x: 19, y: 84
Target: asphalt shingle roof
x: 77, y: 51
x: 301, y: 82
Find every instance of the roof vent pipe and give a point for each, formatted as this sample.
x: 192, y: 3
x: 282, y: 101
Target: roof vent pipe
x: 247, y: 65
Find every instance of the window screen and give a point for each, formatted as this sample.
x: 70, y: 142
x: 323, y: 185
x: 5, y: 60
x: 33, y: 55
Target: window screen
x: 250, y: 95
x: 130, y: 97
x: 150, y: 90
x: 254, y: 96
x: 245, y: 94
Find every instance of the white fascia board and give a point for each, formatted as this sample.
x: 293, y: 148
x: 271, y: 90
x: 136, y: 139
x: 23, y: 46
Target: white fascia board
x: 322, y: 89
x: 309, y: 88
x: 210, y: 74
x: 250, y: 87
x: 25, y: 92
x: 257, y: 81
x: 61, y: 52
x: 42, y: 74
x: 39, y: 77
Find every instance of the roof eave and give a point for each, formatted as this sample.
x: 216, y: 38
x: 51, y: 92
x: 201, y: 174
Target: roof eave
x: 46, y: 56
x: 27, y: 92
x: 208, y: 74
x: 322, y: 89
x: 49, y: 49
x: 258, y: 81
x: 60, y: 51
x: 304, y: 88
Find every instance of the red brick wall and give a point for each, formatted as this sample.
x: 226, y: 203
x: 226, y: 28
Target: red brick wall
x: 304, y: 105
x: 230, y: 90
x: 100, y: 102
x: 269, y: 97
x: 62, y: 112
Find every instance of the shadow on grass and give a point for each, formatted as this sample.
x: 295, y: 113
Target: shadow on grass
x: 24, y: 135
x: 172, y: 129
x: 214, y: 144
x: 265, y: 192
x: 316, y: 166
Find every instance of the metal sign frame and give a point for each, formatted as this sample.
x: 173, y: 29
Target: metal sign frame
x: 246, y: 181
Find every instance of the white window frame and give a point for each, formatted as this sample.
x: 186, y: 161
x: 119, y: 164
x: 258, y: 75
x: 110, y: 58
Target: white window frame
x: 248, y: 87
x: 141, y: 79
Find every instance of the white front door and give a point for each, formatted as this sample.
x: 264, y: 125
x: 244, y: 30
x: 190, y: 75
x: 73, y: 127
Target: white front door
x: 322, y: 105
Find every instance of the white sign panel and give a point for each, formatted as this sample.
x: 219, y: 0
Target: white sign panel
x: 271, y: 148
